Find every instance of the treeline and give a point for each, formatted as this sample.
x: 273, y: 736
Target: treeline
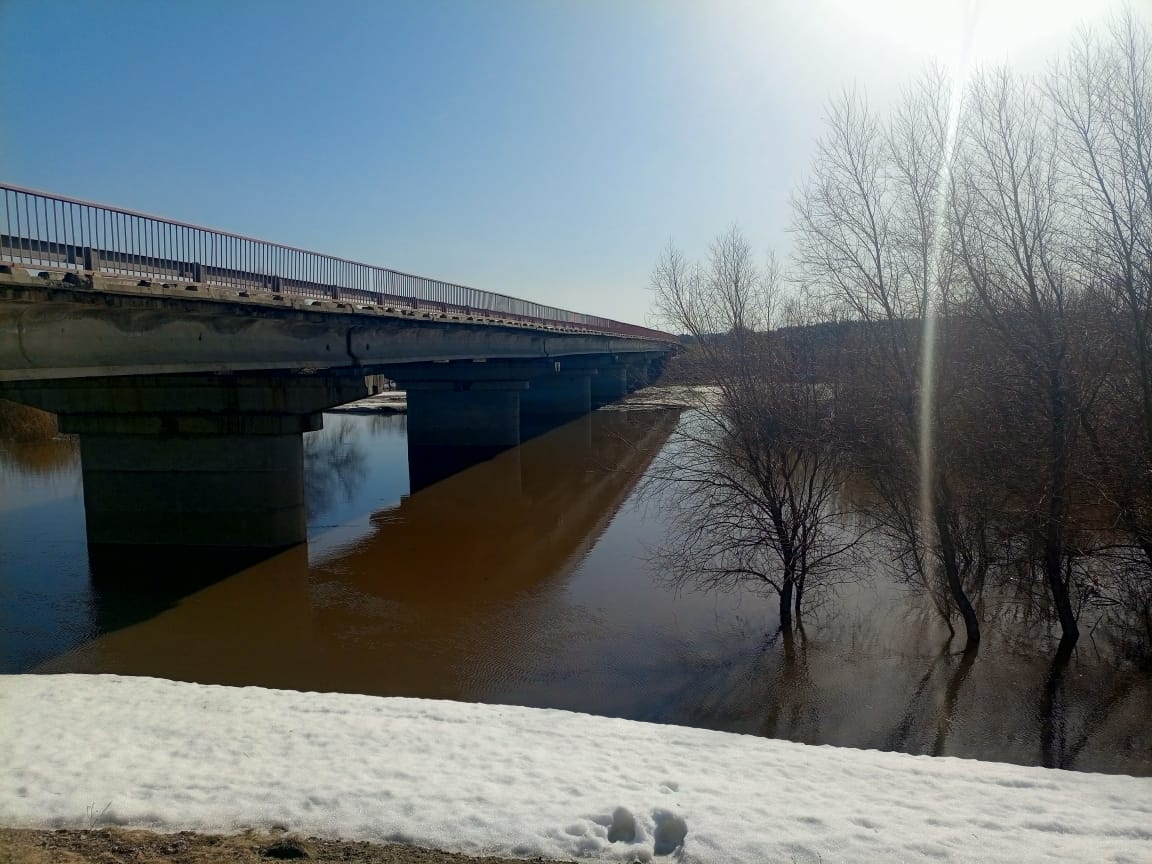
x: 965, y: 327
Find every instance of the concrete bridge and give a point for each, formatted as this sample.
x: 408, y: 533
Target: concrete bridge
x: 190, y: 361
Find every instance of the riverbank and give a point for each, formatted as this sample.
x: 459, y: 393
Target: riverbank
x: 396, y: 401
x: 84, y: 751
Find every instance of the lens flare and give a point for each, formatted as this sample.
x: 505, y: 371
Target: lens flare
x: 959, y: 72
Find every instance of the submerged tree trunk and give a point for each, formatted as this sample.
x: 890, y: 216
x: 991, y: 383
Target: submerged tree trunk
x: 1052, y: 731
x: 786, y: 602
x: 1058, y: 585
x: 952, y: 566
x: 1054, y: 522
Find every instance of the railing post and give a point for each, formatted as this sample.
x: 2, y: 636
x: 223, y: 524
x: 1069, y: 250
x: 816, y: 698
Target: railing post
x: 198, y: 273
x: 91, y: 259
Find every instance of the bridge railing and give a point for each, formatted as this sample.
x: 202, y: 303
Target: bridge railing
x: 39, y: 229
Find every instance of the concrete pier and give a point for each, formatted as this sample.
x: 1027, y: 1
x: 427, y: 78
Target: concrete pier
x: 552, y: 401
x: 557, y: 397
x: 637, y: 374
x: 193, y: 460
x: 452, y: 426
x: 477, y: 414
x: 194, y: 490
x: 610, y: 384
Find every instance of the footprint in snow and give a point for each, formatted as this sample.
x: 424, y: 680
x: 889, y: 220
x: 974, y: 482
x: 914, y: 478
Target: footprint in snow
x: 670, y: 832
x: 668, y: 838
x: 623, y: 827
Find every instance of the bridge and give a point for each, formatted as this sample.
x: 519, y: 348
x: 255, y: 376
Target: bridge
x: 190, y: 362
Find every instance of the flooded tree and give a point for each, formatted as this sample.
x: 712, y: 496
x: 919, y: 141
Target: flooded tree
x: 974, y: 349
x: 870, y: 237
x: 1101, y: 91
x: 750, y: 477
x: 1014, y: 239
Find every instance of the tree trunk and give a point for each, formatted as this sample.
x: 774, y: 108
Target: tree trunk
x: 1054, y: 571
x: 1051, y: 713
x: 786, y: 603
x: 1057, y: 504
x: 952, y: 566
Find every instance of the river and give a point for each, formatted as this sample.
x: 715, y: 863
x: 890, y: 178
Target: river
x: 527, y: 580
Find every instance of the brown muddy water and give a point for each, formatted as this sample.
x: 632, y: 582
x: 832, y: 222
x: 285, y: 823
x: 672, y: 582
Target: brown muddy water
x: 526, y: 580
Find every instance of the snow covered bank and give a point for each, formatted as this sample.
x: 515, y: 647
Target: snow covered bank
x: 77, y: 750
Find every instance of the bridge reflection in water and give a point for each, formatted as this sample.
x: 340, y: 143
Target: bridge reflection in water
x: 440, y: 594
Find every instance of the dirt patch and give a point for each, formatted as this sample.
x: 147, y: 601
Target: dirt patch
x: 116, y: 846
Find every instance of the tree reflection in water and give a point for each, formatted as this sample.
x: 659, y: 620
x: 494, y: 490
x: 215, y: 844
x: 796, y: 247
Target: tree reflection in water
x: 334, y: 464
x: 48, y: 457
x: 876, y: 667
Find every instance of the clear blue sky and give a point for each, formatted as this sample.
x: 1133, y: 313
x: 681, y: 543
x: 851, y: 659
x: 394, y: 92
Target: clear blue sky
x: 544, y: 149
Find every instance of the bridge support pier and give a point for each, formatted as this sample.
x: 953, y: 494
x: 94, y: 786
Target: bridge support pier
x: 194, y: 490
x: 192, y: 460
x: 610, y: 384
x: 637, y: 375
x: 552, y: 401
x: 452, y: 425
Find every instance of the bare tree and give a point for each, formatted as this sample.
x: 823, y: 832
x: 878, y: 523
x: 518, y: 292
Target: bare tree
x: 1012, y: 239
x: 749, y: 477
x: 1102, y: 94
x: 869, y: 227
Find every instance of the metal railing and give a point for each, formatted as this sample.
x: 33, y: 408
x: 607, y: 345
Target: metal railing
x: 41, y: 230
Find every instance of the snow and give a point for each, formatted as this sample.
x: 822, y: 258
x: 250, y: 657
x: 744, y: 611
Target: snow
x: 387, y: 402
x: 78, y: 751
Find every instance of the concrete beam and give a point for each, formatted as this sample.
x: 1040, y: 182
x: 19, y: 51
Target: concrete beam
x: 52, y: 330
x: 202, y: 397
x: 466, y: 371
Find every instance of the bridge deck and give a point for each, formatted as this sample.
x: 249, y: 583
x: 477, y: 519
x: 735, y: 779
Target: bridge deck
x: 44, y: 231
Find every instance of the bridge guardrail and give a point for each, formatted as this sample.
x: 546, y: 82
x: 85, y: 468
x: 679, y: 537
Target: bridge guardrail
x: 40, y: 229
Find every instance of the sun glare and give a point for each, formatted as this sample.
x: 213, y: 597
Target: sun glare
x: 964, y: 32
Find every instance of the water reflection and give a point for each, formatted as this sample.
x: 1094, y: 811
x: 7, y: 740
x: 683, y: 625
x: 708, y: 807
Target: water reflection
x: 397, y: 608
x: 127, y: 585
x: 523, y: 580
x: 1064, y: 735
x: 334, y: 462
x: 254, y: 627
x: 45, y: 458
